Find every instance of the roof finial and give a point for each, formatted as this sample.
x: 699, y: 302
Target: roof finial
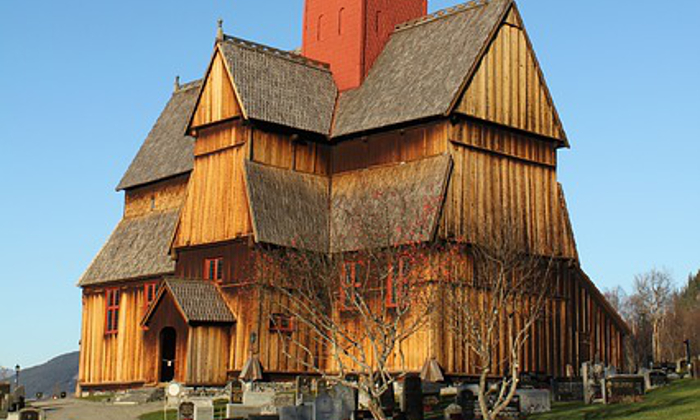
x: 177, y: 83
x: 220, y: 30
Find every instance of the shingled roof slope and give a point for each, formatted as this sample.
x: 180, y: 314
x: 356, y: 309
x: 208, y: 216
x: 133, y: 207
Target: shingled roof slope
x: 137, y: 248
x: 378, y: 207
x: 167, y: 151
x: 289, y: 208
x: 280, y: 87
x: 421, y: 70
x: 200, y: 301
x: 388, y: 206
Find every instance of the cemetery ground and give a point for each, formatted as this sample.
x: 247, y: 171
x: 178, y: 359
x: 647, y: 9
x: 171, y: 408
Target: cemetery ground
x: 678, y: 401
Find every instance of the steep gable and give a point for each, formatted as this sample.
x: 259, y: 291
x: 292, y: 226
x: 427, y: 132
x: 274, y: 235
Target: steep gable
x: 509, y: 88
x: 217, y: 100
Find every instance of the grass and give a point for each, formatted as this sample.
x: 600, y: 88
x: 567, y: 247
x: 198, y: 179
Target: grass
x: 158, y: 415
x: 678, y: 401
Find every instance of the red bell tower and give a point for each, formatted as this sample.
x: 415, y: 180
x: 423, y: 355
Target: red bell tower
x: 350, y: 34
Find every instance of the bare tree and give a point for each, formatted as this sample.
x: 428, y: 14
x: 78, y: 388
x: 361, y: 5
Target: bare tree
x: 358, y: 307
x: 653, y: 295
x: 507, y: 289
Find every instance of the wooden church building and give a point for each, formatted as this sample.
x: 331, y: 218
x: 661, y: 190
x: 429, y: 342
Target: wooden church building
x: 266, y: 148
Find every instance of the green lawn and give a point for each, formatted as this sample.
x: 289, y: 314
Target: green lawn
x: 158, y: 415
x: 679, y: 401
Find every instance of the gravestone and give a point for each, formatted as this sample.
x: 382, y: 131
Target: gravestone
x: 284, y: 399
x: 412, y: 401
x: 388, y: 401
x: 30, y: 414
x: 657, y: 379
x: 4, y: 399
x: 236, y: 392
x: 348, y: 400
x: 300, y: 412
x: 568, y: 389
x: 434, y: 405
x: 185, y: 411
x: 512, y: 411
x: 535, y: 401
x: 304, y: 390
x: 622, y: 387
x: 327, y: 408
x: 466, y: 399
x: 453, y: 412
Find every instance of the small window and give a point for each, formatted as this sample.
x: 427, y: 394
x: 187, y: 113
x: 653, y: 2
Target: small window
x: 378, y: 22
x: 319, y: 34
x: 153, y: 202
x: 398, y: 282
x: 214, y: 269
x: 350, y: 284
x: 150, y: 290
x: 282, y: 323
x: 113, y: 297
x: 340, y: 20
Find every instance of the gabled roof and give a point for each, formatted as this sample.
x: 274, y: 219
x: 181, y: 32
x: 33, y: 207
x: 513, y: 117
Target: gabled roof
x: 167, y: 151
x: 380, y: 207
x: 280, y: 87
x: 422, y: 69
x: 198, y: 301
x: 138, y: 248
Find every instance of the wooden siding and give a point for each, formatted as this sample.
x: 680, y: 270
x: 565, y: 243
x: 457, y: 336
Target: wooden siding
x: 218, y: 100
x: 112, y: 359
x: 489, y: 187
x: 220, y: 137
x: 509, y: 88
x: 216, y: 207
x: 162, y: 196
x: 395, y: 146
x: 237, y: 264
x: 290, y: 152
x: 208, y: 355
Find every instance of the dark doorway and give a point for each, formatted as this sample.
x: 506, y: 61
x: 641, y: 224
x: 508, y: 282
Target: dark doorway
x: 168, y: 343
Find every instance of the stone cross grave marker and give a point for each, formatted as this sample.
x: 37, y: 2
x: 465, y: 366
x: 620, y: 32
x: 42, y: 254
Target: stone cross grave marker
x: 30, y: 414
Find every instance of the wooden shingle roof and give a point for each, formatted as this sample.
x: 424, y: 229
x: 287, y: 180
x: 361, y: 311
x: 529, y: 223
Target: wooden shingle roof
x: 422, y: 70
x: 167, y: 151
x: 199, y: 302
x: 280, y: 87
x: 138, y: 248
x: 373, y: 208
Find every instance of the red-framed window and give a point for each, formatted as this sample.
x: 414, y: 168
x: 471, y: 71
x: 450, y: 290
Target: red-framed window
x: 350, y: 284
x: 214, y: 269
x: 112, y: 315
x: 282, y: 323
x: 150, y: 290
x: 398, y: 282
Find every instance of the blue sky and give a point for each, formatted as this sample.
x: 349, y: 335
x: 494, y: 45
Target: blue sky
x: 82, y: 82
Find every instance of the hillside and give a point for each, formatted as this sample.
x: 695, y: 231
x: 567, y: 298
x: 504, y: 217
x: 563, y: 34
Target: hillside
x: 55, y: 376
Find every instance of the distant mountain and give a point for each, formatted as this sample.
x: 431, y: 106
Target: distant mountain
x: 53, y: 377
x: 6, y: 373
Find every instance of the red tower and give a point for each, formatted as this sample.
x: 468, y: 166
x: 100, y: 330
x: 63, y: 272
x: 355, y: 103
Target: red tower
x: 350, y: 34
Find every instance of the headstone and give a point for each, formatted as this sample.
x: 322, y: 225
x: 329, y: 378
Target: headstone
x: 284, y: 399
x: 348, y: 400
x: 301, y: 412
x: 236, y: 392
x: 434, y: 405
x: 264, y: 417
x: 259, y: 397
x: 657, y: 379
x: 4, y: 399
x: 512, y: 410
x: 327, y: 408
x: 185, y: 411
x: 30, y: 414
x: 535, y: 401
x: 623, y: 387
x: 304, y: 390
x: 412, y: 401
x: 567, y: 389
x: 388, y: 401
x: 466, y: 399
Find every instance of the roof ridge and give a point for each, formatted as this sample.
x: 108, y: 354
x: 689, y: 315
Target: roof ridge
x: 443, y: 13
x: 287, y: 55
x: 190, y: 85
